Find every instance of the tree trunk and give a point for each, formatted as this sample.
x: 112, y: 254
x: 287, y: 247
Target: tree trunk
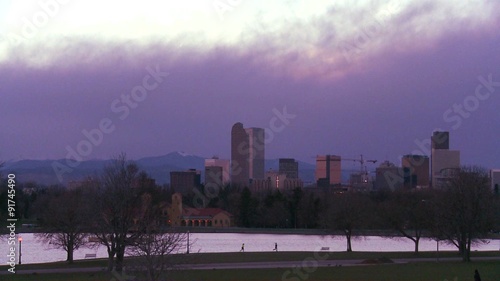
x: 417, y: 240
x: 69, y: 256
x: 111, y: 255
x: 466, y: 255
x: 151, y: 272
x: 119, y: 260
x: 348, y: 238
x: 461, y: 248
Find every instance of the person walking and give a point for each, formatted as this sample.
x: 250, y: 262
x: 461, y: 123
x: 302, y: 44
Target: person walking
x: 242, y: 247
x: 275, y: 247
x: 477, y: 277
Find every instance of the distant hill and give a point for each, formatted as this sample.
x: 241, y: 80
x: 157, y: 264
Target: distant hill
x: 158, y: 167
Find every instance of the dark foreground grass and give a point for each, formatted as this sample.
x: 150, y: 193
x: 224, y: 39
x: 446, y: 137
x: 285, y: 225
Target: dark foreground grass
x: 490, y: 271
x: 451, y: 271
x: 299, y: 256
x: 205, y: 258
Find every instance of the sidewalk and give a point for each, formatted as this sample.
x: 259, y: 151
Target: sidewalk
x: 278, y: 264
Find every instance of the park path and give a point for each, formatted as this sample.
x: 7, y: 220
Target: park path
x: 249, y: 265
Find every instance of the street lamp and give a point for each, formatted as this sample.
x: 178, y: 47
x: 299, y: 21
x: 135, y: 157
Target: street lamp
x: 20, y: 244
x: 188, y: 243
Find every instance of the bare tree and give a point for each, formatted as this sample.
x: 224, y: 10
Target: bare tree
x: 347, y: 212
x: 156, y: 244
x: 116, y: 208
x: 63, y: 221
x: 465, y: 209
x: 155, y: 252
x: 409, y: 213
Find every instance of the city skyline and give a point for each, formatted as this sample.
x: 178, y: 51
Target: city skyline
x: 323, y: 78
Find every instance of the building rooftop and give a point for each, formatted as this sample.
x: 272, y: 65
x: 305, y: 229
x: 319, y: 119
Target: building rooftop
x: 205, y: 213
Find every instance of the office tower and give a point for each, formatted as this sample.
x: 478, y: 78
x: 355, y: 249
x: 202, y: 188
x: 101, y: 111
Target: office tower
x: 279, y: 180
x: 440, y: 140
x: 239, y: 155
x: 444, y: 163
x: 213, y: 178
x: 495, y: 181
x: 388, y: 176
x: 416, y: 171
x: 216, y: 171
x: 443, y: 160
x: 256, y: 152
x: 247, y: 154
x: 328, y: 170
x: 276, y: 179
x: 185, y: 181
x: 289, y: 167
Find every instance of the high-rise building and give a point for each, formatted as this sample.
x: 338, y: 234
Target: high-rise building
x: 388, y: 176
x: 444, y: 163
x: 276, y: 179
x: 279, y: 180
x: 328, y: 170
x: 289, y: 167
x: 440, y: 140
x: 185, y: 181
x: 216, y: 171
x: 416, y: 171
x: 256, y: 152
x: 213, y: 177
x: 495, y: 180
x: 239, y: 155
x: 443, y: 160
x: 247, y: 154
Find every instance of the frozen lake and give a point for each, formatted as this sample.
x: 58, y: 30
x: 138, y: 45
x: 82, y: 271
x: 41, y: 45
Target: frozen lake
x: 35, y: 252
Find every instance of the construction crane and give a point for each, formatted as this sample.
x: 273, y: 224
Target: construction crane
x: 364, y: 171
x: 362, y: 175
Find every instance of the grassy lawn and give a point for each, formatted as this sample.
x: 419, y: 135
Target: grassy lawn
x: 259, y: 256
x: 102, y: 276
x: 61, y: 264
x: 298, y: 256
x: 451, y: 271
x: 490, y: 271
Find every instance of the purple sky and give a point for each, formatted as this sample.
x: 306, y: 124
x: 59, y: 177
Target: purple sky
x: 371, y: 84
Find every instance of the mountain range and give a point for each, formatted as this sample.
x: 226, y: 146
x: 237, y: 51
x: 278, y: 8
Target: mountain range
x: 158, y: 167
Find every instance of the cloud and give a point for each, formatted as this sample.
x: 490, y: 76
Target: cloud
x: 324, y: 39
x: 378, y: 102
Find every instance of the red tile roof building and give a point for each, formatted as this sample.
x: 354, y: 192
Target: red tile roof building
x: 208, y: 217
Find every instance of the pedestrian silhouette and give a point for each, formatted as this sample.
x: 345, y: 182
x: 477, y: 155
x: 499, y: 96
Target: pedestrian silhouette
x: 242, y: 247
x: 275, y: 247
x: 477, y: 277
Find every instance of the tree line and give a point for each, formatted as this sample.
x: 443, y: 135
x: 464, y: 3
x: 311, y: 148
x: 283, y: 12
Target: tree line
x: 124, y: 211
x: 121, y: 210
x: 464, y: 212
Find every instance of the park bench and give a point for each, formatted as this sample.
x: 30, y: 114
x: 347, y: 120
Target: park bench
x: 87, y: 256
